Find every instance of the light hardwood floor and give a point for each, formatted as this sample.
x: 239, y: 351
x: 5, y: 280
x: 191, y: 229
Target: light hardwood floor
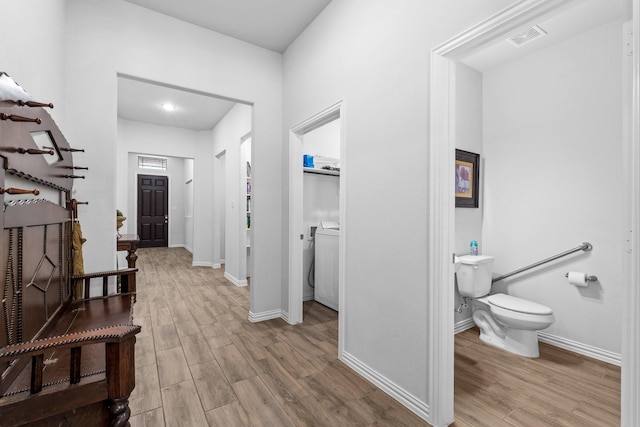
x: 560, y: 388
x: 200, y: 362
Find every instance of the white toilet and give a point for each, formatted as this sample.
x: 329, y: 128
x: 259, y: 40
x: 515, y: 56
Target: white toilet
x: 505, y: 321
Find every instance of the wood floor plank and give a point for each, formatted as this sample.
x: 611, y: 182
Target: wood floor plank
x: 182, y: 406
x: 172, y: 367
x: 146, y: 395
x: 153, y: 418
x: 261, y: 407
x: 147, y: 352
x: 282, y: 385
x: 233, y: 363
x: 186, y: 326
x: 599, y: 413
x: 310, y: 411
x: 165, y: 337
x: 161, y: 316
x: 212, y: 385
x: 195, y: 349
x: 296, y: 364
x: 232, y: 414
x: 389, y: 412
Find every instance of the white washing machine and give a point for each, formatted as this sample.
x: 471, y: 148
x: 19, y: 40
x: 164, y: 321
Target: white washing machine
x: 326, y: 266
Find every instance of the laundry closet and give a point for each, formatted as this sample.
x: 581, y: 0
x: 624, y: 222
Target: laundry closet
x: 321, y: 202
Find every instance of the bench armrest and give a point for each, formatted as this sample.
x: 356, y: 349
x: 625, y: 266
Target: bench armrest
x: 94, y: 336
x: 128, y: 280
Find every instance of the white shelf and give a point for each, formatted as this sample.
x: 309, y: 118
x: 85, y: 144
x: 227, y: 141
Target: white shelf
x: 321, y: 171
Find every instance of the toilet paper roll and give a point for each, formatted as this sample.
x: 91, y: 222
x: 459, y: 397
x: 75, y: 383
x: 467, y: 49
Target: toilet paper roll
x: 578, y: 278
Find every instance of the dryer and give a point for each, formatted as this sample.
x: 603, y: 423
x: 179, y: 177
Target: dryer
x: 326, y: 266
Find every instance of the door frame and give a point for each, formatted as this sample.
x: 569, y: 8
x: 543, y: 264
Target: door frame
x: 296, y: 226
x: 442, y: 210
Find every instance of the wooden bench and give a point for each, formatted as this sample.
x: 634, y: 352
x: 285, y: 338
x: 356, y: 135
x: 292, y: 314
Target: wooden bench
x: 64, y: 361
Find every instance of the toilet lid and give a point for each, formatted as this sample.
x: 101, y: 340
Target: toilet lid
x: 520, y: 305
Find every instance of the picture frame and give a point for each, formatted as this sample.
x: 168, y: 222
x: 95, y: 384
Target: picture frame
x: 467, y: 171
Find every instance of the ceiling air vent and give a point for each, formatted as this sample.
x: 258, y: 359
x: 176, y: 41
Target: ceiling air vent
x: 527, y: 36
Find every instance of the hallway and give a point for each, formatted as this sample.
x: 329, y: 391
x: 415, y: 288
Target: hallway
x: 200, y: 362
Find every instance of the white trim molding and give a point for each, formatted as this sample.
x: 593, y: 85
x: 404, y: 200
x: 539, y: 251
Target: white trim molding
x: 267, y: 315
x: 441, y: 234
x: 239, y: 283
x: 580, y: 348
x: 202, y: 264
x: 463, y: 325
x: 630, y: 409
x: 417, y: 406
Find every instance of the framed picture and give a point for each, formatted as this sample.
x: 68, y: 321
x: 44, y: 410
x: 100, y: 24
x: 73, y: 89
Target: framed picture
x: 467, y: 178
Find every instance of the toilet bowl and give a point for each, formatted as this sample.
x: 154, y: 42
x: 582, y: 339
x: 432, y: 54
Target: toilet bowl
x: 515, y: 325
x: 505, y: 321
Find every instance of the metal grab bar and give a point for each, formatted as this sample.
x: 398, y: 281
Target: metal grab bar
x: 585, y: 246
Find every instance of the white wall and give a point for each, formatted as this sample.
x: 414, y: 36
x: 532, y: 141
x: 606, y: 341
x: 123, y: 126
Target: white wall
x: 107, y: 38
x: 374, y: 55
x: 553, y: 173
x: 323, y: 141
x: 468, y: 133
x: 227, y: 137
x: 33, y: 53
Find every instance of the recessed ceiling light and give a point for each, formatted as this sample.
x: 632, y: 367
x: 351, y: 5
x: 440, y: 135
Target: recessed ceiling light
x: 168, y: 107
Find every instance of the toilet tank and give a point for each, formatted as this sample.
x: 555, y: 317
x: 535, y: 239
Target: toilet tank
x: 474, y: 275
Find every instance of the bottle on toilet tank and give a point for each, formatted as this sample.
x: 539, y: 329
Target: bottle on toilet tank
x: 473, y: 248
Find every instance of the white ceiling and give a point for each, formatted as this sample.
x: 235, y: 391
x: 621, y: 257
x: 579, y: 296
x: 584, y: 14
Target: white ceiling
x: 582, y: 17
x: 272, y: 24
x: 142, y: 101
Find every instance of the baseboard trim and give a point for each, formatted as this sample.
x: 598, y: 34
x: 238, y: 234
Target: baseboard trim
x: 583, y: 349
x: 182, y: 246
x: 565, y: 343
x: 308, y: 296
x: 416, y: 406
x: 239, y: 283
x: 266, y: 315
x: 201, y: 264
x: 463, y: 325
x: 216, y: 265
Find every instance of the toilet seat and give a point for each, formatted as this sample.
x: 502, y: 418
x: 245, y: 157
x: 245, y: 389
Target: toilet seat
x: 509, y: 302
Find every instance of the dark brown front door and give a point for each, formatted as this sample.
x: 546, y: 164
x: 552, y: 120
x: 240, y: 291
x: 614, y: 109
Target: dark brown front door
x: 153, y: 212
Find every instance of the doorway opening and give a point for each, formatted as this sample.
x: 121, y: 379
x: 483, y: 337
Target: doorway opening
x: 246, y: 233
x: 322, y: 209
x: 219, y: 208
x: 445, y: 137
x: 203, y: 131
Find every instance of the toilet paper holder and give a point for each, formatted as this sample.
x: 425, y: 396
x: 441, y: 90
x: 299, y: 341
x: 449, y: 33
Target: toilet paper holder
x: 586, y: 277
